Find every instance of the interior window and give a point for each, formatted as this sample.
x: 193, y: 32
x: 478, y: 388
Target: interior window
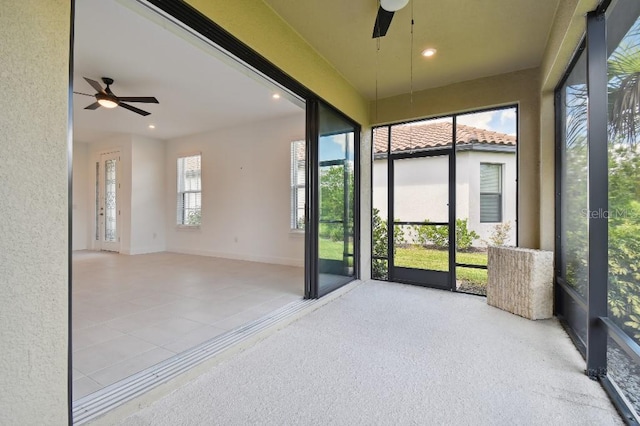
x: 189, y: 191
x: 297, y: 185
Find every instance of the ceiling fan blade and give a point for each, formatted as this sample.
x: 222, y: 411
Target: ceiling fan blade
x: 145, y: 99
x: 85, y: 94
x: 94, y: 105
x: 134, y: 109
x: 95, y: 85
x: 383, y: 20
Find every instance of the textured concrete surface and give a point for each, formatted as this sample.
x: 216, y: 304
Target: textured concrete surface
x: 520, y: 281
x: 34, y: 82
x: 395, y: 354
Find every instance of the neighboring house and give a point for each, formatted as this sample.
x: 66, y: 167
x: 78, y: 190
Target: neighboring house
x: 486, y: 170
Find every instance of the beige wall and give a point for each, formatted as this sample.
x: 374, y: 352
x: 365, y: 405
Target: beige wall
x: 566, y: 33
x: 514, y: 88
x: 34, y: 84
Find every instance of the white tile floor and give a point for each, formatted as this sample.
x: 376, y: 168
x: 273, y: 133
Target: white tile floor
x: 131, y: 312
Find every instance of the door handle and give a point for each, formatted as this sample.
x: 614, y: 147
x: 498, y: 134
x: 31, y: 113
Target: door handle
x: 101, y: 214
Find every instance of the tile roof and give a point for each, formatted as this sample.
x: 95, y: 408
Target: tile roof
x: 406, y: 137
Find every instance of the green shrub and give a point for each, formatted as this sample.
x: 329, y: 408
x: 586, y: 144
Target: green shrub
x: 380, y: 236
x: 379, y: 267
x: 464, y: 237
x: 500, y: 234
x: 438, y: 235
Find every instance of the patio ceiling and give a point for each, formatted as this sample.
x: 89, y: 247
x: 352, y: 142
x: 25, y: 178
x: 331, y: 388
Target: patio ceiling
x: 473, y: 39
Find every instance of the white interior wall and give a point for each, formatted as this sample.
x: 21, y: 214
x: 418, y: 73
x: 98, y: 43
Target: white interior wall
x: 141, y: 195
x: 82, y: 185
x: 245, y: 193
x: 147, y: 196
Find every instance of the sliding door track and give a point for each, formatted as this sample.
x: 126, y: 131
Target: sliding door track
x: 112, y: 396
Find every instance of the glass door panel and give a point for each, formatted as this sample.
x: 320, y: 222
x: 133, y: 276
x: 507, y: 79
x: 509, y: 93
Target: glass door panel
x: 336, y: 201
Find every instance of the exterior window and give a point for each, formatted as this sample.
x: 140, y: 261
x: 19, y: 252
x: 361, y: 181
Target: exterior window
x: 297, y: 185
x: 490, y: 192
x: 189, y: 191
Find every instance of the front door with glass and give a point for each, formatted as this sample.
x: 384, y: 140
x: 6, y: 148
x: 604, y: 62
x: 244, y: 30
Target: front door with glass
x: 108, y: 211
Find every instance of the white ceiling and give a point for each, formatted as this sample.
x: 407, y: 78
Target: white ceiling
x: 197, y: 91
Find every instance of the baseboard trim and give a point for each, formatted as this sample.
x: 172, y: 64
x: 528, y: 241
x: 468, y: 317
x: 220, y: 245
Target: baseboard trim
x: 286, y: 261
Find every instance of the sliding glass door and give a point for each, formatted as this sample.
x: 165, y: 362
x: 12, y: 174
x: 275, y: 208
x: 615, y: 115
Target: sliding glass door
x: 332, y: 200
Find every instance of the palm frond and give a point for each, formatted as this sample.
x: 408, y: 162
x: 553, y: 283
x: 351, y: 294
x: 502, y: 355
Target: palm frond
x: 624, y: 88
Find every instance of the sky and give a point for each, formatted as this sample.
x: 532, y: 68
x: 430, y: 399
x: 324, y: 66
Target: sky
x: 502, y: 120
x: 333, y: 147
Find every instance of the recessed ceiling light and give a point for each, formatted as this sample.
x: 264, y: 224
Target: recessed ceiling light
x: 276, y: 96
x: 427, y: 53
x: 152, y: 126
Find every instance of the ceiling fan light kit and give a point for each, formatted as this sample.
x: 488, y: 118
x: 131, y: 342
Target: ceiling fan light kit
x: 393, y: 5
x: 106, y: 101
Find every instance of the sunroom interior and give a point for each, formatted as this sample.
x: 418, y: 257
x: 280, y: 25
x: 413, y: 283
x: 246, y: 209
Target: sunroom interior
x: 555, y: 64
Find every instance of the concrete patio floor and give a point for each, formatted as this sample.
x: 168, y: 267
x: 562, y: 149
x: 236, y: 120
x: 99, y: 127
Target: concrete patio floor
x: 388, y: 353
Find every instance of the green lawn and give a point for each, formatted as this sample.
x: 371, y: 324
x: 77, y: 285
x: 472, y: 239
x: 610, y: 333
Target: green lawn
x: 469, y: 279
x: 334, y: 250
x: 438, y: 260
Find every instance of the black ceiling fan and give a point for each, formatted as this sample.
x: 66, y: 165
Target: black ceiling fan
x: 386, y: 10
x: 106, y: 98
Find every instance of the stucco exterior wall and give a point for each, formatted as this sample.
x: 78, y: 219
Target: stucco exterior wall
x: 421, y: 190
x: 34, y: 82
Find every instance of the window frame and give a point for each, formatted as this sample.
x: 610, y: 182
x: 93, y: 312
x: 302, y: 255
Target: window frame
x: 499, y: 194
x: 295, y: 186
x: 181, y: 216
